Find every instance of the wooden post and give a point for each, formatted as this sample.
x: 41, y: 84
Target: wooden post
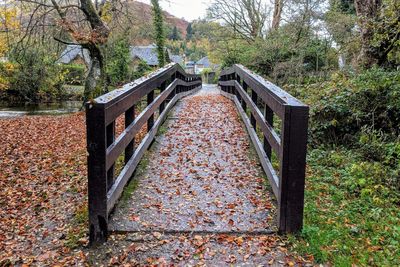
x: 292, y: 169
x: 110, y: 139
x: 97, y: 173
x: 245, y: 88
x: 150, y: 121
x: 162, y: 89
x: 237, y: 91
x: 269, y: 118
x: 129, y: 118
x: 254, y: 98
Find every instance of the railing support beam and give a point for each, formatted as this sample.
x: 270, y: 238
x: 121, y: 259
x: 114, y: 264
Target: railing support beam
x: 293, y: 163
x: 97, y: 173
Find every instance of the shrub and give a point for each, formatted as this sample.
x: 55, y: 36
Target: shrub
x: 74, y: 74
x: 118, y: 62
x: 7, y: 70
x: 341, y: 107
x: 141, y: 70
x: 37, y: 76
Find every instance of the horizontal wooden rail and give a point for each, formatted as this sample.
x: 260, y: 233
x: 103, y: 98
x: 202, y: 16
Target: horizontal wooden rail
x: 290, y: 147
x: 105, y: 149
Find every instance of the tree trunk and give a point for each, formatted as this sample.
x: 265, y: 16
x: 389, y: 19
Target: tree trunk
x: 98, y: 36
x: 367, y: 12
x: 95, y: 82
x: 276, y: 19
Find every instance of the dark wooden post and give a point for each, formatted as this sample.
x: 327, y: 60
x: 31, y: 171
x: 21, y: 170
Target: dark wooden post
x: 129, y: 118
x: 237, y: 91
x: 162, y: 89
x: 97, y: 173
x: 245, y: 88
x: 292, y: 169
x: 174, y: 76
x: 110, y: 139
x: 150, y: 121
x: 269, y: 118
x: 254, y: 98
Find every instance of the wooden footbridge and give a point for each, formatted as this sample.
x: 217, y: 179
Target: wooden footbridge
x: 275, y: 121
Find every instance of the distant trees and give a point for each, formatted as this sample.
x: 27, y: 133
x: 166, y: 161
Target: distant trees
x: 159, y: 32
x: 189, y: 32
x: 175, y: 35
x: 245, y: 17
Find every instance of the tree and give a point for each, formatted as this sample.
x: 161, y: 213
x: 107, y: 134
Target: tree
x: 189, y: 32
x: 8, y: 24
x: 276, y: 19
x: 159, y: 32
x: 379, y: 22
x: 367, y: 11
x: 175, y: 36
x: 83, y: 23
x: 118, y: 64
x: 245, y: 17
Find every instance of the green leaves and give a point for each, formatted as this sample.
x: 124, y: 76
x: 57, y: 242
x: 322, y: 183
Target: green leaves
x: 159, y: 32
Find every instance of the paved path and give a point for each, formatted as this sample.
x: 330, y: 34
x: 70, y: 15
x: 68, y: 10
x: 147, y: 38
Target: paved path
x: 201, y: 175
x: 201, y: 198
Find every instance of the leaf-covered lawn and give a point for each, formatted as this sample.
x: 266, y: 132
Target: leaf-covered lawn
x: 43, y: 196
x: 43, y: 188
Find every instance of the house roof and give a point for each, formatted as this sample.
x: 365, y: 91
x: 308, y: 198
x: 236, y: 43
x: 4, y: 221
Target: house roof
x: 72, y: 52
x: 176, y: 59
x: 205, y: 62
x: 145, y: 53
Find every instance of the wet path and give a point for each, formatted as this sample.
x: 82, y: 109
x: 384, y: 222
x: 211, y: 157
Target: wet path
x: 201, y: 175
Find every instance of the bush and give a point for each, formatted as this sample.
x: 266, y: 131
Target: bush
x: 74, y: 74
x: 7, y: 70
x: 141, y: 70
x: 36, y: 77
x: 118, y: 63
x: 341, y: 107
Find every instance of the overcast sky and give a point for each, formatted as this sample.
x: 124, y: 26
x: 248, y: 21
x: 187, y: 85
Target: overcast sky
x: 188, y: 9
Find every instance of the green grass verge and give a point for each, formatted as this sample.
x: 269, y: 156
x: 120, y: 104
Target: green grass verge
x: 352, y: 214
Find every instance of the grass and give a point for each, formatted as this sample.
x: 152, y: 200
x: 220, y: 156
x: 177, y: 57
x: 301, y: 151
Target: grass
x: 162, y: 130
x: 78, y: 229
x: 351, y: 216
x: 134, y: 181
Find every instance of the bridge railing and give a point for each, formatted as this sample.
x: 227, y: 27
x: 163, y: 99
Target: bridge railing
x: 266, y: 102
x: 105, y: 149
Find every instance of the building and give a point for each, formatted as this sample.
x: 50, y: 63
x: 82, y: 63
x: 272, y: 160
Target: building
x: 202, y: 64
x: 146, y: 53
x: 75, y: 54
x: 190, y: 67
x: 78, y: 55
x: 176, y: 59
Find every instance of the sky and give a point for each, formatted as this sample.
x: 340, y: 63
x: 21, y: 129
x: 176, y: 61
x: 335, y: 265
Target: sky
x: 188, y: 9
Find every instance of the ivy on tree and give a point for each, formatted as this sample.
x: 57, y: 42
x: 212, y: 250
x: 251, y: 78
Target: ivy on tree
x: 159, y: 32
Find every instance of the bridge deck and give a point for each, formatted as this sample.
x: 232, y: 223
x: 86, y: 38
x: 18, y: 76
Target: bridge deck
x: 201, y: 176
x: 202, y: 197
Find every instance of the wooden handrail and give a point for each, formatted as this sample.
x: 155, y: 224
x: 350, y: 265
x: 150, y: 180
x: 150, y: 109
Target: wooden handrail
x: 290, y: 147
x: 104, y: 148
